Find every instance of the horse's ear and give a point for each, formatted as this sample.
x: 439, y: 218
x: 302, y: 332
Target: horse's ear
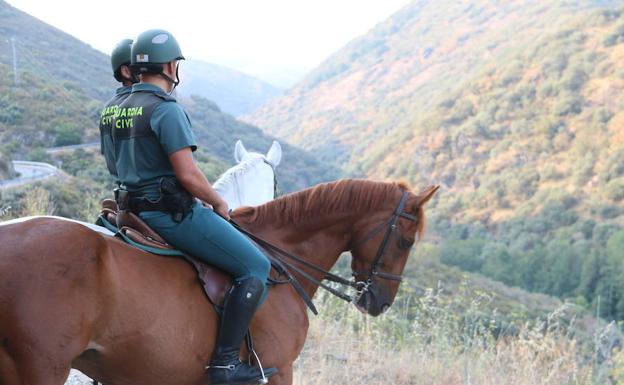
x: 239, y: 151
x: 424, y: 196
x: 274, y: 156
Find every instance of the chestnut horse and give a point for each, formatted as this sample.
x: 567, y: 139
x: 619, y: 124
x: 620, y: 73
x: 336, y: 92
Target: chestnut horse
x: 72, y: 297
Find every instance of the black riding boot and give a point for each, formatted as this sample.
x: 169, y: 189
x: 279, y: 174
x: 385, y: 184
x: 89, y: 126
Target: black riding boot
x: 240, y: 305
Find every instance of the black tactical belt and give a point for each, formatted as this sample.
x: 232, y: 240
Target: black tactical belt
x: 138, y: 205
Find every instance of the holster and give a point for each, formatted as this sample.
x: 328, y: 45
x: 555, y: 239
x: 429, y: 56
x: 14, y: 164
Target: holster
x: 122, y: 197
x: 176, y: 200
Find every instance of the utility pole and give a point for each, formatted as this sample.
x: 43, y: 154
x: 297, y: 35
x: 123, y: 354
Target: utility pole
x: 15, y: 77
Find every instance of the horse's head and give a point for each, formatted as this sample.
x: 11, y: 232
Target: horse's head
x: 380, y: 246
x: 252, y: 181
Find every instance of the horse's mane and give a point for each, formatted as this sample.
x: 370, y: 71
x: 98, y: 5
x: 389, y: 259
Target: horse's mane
x: 340, y: 196
x: 230, y: 175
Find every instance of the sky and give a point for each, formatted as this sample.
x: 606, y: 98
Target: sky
x: 278, y: 41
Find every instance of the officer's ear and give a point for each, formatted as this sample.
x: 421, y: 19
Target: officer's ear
x: 169, y: 68
x: 125, y: 72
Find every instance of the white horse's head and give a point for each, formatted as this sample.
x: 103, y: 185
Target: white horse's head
x: 252, y: 181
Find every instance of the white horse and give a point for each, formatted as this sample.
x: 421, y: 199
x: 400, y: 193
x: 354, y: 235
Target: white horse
x: 252, y: 181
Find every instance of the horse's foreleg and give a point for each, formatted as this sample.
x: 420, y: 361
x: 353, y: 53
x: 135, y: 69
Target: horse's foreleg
x: 8, y: 369
x: 37, y: 347
x: 283, y: 377
x: 30, y: 371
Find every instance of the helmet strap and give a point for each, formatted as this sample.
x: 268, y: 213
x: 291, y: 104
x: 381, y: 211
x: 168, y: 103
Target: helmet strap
x: 134, y: 77
x: 174, y: 82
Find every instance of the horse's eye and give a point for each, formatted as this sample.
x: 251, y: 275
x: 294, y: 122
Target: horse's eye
x: 405, y: 243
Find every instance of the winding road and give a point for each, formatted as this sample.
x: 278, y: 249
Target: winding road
x: 30, y: 172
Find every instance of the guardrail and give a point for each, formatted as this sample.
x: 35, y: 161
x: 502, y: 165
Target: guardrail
x: 42, y: 165
x: 40, y: 171
x: 46, y: 170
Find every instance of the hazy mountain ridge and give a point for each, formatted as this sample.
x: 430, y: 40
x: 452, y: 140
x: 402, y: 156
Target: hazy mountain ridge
x: 49, y: 52
x: 379, y: 83
x: 236, y: 92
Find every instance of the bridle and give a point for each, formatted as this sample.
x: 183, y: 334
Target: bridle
x: 361, y: 287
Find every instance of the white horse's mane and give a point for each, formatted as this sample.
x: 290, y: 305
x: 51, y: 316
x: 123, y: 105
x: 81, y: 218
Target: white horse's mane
x: 231, y: 174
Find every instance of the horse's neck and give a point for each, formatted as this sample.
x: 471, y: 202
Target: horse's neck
x: 229, y: 194
x: 319, y: 244
x: 227, y: 188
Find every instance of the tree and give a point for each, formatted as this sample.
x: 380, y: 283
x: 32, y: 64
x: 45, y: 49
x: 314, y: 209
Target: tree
x: 464, y: 253
x: 67, y: 135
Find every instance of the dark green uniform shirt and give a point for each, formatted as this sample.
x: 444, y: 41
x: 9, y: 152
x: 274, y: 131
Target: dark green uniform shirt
x: 106, y: 117
x: 148, y: 127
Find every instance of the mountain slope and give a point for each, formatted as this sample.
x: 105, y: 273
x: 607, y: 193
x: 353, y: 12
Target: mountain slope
x: 387, y: 82
x: 516, y: 107
x: 235, y: 92
x: 62, y: 84
x: 47, y: 52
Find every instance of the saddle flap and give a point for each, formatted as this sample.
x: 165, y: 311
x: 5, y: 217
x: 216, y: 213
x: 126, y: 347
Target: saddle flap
x: 215, y: 282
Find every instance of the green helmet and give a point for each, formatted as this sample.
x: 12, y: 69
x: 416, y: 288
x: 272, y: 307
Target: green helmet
x: 121, y: 54
x: 155, y: 46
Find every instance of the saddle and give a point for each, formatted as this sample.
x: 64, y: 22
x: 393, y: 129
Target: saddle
x: 135, y: 231
x: 215, y: 282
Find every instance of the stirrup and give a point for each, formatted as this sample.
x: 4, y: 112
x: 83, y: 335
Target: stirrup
x: 262, y: 381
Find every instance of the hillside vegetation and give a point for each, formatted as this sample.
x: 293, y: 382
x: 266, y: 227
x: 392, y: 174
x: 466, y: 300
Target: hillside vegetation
x: 516, y: 107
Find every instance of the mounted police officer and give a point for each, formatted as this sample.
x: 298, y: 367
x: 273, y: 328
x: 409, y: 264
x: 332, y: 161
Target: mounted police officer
x: 120, y: 61
x: 154, y: 142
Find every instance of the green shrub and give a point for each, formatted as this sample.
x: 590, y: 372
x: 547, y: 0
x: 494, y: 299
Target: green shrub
x: 615, y: 189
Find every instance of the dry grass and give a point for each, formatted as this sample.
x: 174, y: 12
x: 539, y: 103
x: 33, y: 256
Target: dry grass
x: 439, y: 347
